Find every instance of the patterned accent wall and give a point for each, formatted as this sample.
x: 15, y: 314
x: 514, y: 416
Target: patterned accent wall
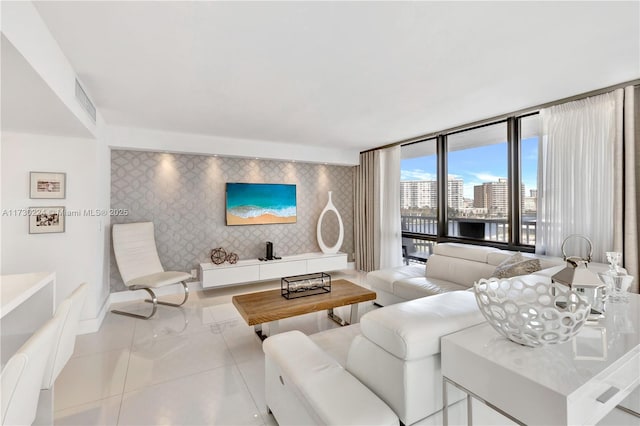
x: 184, y: 196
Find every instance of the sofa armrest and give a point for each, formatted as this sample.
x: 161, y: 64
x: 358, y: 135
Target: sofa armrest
x: 301, y: 382
x: 412, y: 330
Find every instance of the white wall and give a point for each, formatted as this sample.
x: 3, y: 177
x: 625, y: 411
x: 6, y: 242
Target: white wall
x: 118, y: 137
x: 77, y: 254
x: 22, y: 25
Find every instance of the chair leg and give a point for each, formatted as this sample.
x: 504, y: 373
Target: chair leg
x: 153, y: 300
x: 186, y: 296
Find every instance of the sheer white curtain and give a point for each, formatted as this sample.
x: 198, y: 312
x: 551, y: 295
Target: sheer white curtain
x: 388, y: 235
x: 576, y: 192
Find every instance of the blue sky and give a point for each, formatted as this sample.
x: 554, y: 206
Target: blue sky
x: 477, y: 165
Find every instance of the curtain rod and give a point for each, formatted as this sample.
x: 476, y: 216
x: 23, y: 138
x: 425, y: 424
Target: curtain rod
x: 524, y: 111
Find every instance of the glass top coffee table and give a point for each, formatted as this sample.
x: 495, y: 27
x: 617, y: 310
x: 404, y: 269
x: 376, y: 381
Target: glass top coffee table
x: 269, y: 306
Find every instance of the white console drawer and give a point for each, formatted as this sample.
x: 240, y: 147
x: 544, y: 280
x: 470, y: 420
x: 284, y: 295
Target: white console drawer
x: 225, y: 276
x: 279, y: 269
x: 330, y: 263
x: 594, y: 400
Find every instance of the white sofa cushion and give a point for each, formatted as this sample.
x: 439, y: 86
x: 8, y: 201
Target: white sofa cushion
x: 384, y: 278
x: 464, y: 251
x: 415, y: 288
x: 412, y: 330
x: 457, y: 270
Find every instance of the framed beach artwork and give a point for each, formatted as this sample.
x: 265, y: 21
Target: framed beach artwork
x: 260, y: 203
x: 48, y: 185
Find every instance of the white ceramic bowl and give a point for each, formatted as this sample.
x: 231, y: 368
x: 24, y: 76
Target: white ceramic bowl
x: 525, y: 310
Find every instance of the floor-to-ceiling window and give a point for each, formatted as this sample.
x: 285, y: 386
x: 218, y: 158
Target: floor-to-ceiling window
x: 476, y: 184
x: 419, y: 198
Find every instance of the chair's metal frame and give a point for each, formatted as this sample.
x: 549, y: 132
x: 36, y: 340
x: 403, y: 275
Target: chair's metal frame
x: 155, y: 301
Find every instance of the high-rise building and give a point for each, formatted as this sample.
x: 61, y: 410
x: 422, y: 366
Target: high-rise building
x: 424, y: 193
x: 531, y: 202
x: 456, y: 193
x: 418, y: 193
x: 494, y: 196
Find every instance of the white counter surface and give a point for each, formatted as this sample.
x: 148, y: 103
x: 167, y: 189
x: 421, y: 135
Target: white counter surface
x: 16, y: 289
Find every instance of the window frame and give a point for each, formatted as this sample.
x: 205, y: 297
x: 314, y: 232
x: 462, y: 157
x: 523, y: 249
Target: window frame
x: 515, y: 200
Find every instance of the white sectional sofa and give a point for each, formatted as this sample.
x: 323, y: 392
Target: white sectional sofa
x: 451, y: 267
x: 391, y: 372
x: 393, y: 357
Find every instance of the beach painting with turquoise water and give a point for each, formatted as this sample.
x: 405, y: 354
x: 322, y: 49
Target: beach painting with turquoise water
x: 260, y: 203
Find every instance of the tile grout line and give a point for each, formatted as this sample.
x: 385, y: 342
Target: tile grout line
x: 244, y: 381
x: 93, y: 400
x: 124, y: 382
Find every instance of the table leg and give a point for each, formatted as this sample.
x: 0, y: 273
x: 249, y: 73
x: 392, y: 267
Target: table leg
x: 354, y: 314
x: 258, y: 329
x: 445, y: 403
x: 273, y: 327
x: 336, y: 318
x: 470, y: 396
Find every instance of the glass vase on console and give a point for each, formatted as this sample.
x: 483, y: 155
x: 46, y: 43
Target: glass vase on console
x: 616, y: 279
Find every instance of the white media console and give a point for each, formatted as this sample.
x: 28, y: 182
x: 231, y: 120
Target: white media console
x: 250, y: 270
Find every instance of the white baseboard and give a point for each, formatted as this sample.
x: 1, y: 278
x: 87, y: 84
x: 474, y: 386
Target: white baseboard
x: 92, y: 325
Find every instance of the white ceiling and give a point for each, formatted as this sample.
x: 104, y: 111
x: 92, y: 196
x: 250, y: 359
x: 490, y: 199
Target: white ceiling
x: 338, y: 74
x: 28, y: 104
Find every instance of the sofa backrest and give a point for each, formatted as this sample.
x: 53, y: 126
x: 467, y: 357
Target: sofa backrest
x: 462, y: 264
x: 460, y: 271
x: 465, y: 264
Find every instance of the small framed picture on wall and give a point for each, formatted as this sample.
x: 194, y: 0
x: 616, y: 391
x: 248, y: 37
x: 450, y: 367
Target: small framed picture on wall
x: 46, y: 220
x: 48, y: 185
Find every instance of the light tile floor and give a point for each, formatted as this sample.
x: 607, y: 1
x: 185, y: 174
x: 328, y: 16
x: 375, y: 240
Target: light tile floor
x: 197, y: 365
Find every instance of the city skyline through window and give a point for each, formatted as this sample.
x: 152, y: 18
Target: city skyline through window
x: 478, y: 188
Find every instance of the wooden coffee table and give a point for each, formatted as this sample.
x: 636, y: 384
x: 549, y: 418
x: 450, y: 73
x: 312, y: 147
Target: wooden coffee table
x: 270, y: 306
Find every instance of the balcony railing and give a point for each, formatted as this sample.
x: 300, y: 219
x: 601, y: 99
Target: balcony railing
x: 487, y: 229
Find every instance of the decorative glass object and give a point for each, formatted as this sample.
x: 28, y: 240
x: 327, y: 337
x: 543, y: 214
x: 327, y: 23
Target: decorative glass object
x: 618, y: 284
x: 614, y: 258
x: 530, y: 312
x: 305, y: 285
x: 616, y: 279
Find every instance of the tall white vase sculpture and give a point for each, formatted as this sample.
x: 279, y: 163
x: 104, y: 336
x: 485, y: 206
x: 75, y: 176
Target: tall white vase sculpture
x: 333, y: 249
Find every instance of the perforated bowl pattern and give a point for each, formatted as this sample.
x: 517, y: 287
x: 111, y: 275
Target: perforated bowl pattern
x: 527, y: 312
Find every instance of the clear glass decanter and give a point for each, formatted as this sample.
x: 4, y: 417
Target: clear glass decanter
x: 616, y: 279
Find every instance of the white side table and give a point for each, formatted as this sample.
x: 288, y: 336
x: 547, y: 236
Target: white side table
x: 577, y: 382
x: 27, y: 302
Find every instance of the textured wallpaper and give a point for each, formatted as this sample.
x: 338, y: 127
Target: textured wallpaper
x: 184, y: 195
